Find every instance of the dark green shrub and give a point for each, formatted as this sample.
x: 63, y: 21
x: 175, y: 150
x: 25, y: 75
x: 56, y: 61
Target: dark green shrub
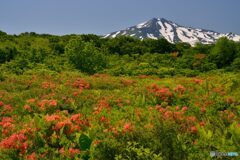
x: 85, y: 56
x: 223, y: 53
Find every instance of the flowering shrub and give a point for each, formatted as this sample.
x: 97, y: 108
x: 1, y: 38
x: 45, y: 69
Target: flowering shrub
x: 104, y: 117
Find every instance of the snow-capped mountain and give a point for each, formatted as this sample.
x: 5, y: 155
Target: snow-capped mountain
x: 162, y: 28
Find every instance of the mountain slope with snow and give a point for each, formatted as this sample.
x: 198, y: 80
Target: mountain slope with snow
x: 162, y: 28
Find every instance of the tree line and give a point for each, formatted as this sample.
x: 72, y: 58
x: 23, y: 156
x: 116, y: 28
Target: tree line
x: 118, y: 56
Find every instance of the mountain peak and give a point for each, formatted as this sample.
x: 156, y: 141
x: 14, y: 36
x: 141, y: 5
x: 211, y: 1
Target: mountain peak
x: 156, y: 28
x: 155, y: 19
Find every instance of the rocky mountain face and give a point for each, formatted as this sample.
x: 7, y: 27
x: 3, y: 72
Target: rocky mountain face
x: 173, y: 32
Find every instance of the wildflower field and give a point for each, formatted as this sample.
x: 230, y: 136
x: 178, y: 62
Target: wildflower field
x: 88, y: 98
x: 70, y: 115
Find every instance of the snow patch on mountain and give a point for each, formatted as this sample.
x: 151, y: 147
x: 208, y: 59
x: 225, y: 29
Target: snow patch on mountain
x: 162, y: 28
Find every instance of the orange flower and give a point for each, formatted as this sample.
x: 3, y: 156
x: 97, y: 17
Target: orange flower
x: 61, y: 124
x: 192, y: 118
x: 46, y: 85
x: 23, y: 147
x: 115, y: 131
x: 127, y: 127
x: 163, y: 93
x: 75, y: 117
x: 178, y: 115
x: 52, y: 103
x: 101, y: 105
x: 76, y: 128
x: 42, y: 103
x: 8, y: 108
x: 32, y: 100
x: 73, y: 152
x: 52, y: 118
x: 154, y: 86
x: 177, y: 108
x: 1, y: 103
x: 194, y: 129
x: 168, y: 114
x: 203, y: 109
x: 15, y: 141
x: 102, y: 119
x: 32, y: 156
x: 62, y: 151
x: 161, y: 109
x: 27, y: 107
x: 7, y: 119
x: 75, y: 94
x: 158, y: 107
x: 7, y: 125
x: 180, y: 89
x: 202, y: 123
x: 185, y: 108
x: 197, y: 81
x: 96, y: 142
x: 81, y: 84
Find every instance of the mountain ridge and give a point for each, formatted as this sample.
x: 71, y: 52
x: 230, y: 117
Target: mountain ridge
x: 156, y: 28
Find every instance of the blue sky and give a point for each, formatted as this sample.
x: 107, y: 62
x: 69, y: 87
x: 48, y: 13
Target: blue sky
x: 104, y: 16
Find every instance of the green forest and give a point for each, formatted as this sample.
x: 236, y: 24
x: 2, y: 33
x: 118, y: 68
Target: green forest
x: 119, y: 56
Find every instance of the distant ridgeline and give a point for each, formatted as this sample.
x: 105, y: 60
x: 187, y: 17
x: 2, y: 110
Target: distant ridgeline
x: 116, y: 56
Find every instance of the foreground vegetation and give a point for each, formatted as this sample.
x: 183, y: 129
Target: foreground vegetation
x: 46, y: 115
x: 83, y: 97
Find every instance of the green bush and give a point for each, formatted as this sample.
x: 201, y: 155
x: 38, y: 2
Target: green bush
x: 236, y: 64
x: 85, y: 56
x: 7, y: 52
x: 224, y: 52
